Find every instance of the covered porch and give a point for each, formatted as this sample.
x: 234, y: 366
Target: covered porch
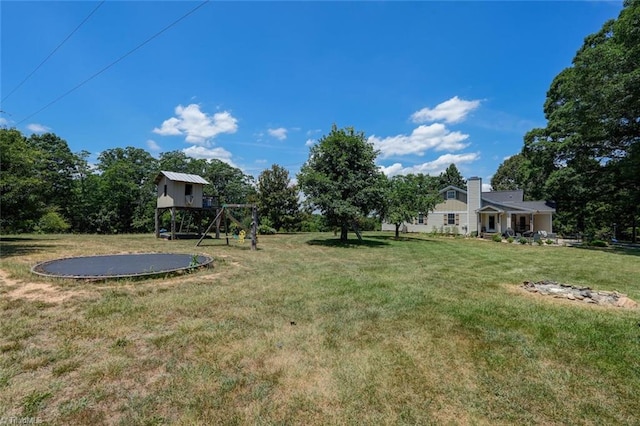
x: 494, y: 220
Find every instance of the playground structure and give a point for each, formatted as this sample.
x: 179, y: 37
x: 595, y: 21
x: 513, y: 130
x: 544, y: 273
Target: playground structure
x: 120, y: 265
x: 223, y: 213
x: 183, y: 193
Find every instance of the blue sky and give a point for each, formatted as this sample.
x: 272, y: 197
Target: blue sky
x: 256, y: 83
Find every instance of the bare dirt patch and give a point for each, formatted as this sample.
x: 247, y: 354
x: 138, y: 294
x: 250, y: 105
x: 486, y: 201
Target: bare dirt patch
x: 37, y: 291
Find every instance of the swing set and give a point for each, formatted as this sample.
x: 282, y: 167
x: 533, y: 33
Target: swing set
x: 224, y: 214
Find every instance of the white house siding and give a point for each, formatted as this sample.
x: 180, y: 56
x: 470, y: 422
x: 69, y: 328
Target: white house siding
x: 542, y: 223
x: 438, y: 220
x: 450, y: 206
x: 434, y: 220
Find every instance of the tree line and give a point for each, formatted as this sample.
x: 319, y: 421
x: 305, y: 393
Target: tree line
x: 44, y: 187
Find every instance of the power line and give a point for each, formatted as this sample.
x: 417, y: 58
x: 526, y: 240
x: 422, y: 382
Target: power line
x: 114, y: 62
x: 54, y: 51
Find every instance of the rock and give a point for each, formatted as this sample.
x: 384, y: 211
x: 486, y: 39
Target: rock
x: 585, y: 294
x: 625, y: 302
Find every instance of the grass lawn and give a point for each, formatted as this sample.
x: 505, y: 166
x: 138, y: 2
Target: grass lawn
x: 308, y: 331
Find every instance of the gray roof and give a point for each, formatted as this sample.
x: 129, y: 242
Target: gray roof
x: 181, y: 177
x: 527, y: 206
x: 541, y: 206
x: 504, y: 196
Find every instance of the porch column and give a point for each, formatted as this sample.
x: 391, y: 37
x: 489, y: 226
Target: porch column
x: 509, y: 220
x: 531, y: 222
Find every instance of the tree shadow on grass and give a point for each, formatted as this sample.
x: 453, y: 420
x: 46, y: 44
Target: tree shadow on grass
x: 335, y: 242
x: 628, y: 251
x: 20, y: 246
x: 234, y: 245
x: 403, y: 238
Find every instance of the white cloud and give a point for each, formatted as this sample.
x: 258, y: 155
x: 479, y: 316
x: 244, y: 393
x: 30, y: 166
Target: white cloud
x: 310, y: 142
x: 209, y: 154
x: 279, y: 133
x: 432, y: 168
x: 434, y: 136
x: 486, y: 187
x: 153, y: 145
x: 3, y: 121
x: 198, y: 126
x: 38, y: 128
x: 452, y: 111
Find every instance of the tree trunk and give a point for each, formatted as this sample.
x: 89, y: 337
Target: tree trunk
x: 634, y: 236
x: 343, y: 232
x: 397, y: 230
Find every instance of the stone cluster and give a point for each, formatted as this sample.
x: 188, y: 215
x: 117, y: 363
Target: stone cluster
x: 584, y: 294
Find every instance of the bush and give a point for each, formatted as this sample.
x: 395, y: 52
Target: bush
x: 53, y: 223
x: 523, y: 240
x: 266, y: 230
x: 369, y: 224
x: 510, y: 240
x: 540, y: 242
x: 598, y: 243
x: 497, y: 238
x: 549, y: 241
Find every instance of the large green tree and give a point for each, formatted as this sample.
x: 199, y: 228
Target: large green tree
x: 593, y: 129
x: 511, y: 174
x: 57, y: 167
x: 277, y: 198
x: 452, y: 176
x: 127, y: 190
x: 341, y: 179
x: 86, y: 195
x: 21, y: 185
x: 229, y: 184
x: 408, y: 196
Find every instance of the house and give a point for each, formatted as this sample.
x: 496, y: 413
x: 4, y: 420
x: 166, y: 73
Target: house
x: 179, y: 191
x: 473, y: 212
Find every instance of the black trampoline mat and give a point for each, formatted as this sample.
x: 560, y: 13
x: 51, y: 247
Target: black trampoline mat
x: 120, y: 265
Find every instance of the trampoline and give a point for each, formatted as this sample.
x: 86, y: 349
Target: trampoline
x: 120, y: 265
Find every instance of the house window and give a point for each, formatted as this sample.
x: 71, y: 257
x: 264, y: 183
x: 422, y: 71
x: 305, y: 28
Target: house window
x: 451, y: 219
x: 451, y: 195
x: 188, y: 189
x: 164, y: 193
x: 420, y: 218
